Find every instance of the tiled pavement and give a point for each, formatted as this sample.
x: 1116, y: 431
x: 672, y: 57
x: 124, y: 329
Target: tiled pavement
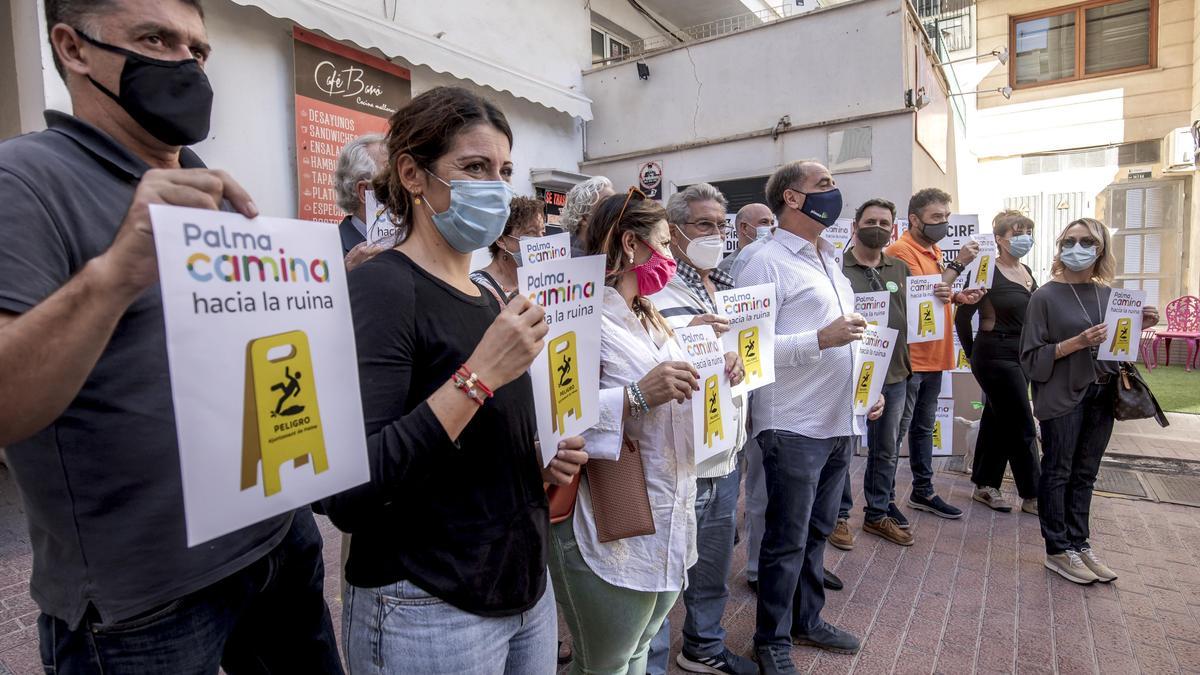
x: 970, y: 596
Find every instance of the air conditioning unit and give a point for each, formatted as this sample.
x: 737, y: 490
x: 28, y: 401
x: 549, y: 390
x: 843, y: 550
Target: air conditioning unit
x: 1180, y: 148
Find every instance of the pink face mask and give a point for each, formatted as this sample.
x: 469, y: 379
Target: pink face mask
x: 653, y: 275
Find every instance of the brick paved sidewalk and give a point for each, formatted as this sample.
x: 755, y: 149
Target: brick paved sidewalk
x: 970, y: 596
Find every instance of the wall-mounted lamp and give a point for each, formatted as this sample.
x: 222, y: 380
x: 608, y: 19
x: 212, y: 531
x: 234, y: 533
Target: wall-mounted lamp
x: 1000, y: 54
x: 643, y: 70
x: 916, y: 99
x: 1006, y: 92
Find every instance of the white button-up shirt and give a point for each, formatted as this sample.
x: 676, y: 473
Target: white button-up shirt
x: 654, y: 562
x: 813, y: 393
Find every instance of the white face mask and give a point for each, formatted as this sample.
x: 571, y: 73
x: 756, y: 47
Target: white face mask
x: 705, y: 252
x: 763, y: 231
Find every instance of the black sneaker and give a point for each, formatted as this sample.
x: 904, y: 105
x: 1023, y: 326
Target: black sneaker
x: 897, y: 515
x: 832, y: 582
x: 725, y: 662
x: 773, y: 659
x: 935, y: 505
x: 753, y: 584
x: 830, y: 638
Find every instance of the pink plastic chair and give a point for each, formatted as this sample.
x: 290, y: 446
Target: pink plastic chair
x: 1183, y: 323
x: 1148, y: 349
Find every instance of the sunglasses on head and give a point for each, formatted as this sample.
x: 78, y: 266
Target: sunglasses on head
x: 1086, y: 242
x: 629, y: 195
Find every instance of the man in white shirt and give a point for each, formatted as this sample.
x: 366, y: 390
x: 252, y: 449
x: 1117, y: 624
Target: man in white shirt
x: 805, y: 421
x: 696, y: 216
x: 753, y: 222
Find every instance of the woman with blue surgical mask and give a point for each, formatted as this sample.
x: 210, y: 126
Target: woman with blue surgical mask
x: 447, y: 565
x: 526, y: 220
x: 1007, y: 435
x: 1073, y: 393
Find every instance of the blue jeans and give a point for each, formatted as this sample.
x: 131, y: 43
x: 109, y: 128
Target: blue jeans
x: 883, y: 450
x: 1072, y: 447
x: 400, y: 628
x: 756, y: 506
x: 920, y: 414
x: 707, y: 590
x: 804, y: 486
x: 269, y: 617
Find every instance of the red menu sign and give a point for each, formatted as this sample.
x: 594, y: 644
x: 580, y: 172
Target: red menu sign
x: 341, y: 94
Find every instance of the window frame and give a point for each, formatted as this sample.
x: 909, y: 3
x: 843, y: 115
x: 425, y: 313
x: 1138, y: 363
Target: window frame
x: 1080, y: 10
x: 609, y: 39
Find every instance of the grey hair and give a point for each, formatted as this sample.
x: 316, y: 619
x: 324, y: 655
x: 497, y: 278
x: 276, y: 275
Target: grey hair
x: 785, y: 178
x: 580, y: 201
x: 355, y: 164
x: 678, y: 205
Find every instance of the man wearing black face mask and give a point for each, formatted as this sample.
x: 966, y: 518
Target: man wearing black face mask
x: 928, y: 223
x: 85, y: 399
x: 870, y: 270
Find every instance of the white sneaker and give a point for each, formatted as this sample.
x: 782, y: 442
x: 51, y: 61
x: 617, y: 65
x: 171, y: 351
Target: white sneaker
x: 1071, y: 567
x: 992, y: 497
x: 1103, y: 572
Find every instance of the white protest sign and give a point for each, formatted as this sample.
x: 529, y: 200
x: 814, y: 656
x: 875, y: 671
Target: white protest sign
x: 943, y: 428
x: 534, y: 250
x: 838, y: 234
x: 1124, y: 321
x: 982, y: 270
x: 751, y: 314
x: 874, y: 357
x: 873, y: 306
x: 264, y: 375
x: 714, y: 419
x: 566, y: 373
x: 962, y: 228
x: 381, y: 231
x: 947, y: 390
x: 961, y: 363
x: 926, y: 316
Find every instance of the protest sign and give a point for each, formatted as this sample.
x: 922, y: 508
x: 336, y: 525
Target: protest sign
x: 838, y: 234
x: 261, y: 354
x: 534, y: 250
x: 1124, y: 321
x: 873, y: 306
x: 961, y: 363
x: 714, y: 419
x: 566, y: 373
x: 962, y: 228
x: 381, y: 229
x: 874, y: 357
x: 751, y: 314
x: 982, y: 270
x: 943, y: 428
x: 926, y: 313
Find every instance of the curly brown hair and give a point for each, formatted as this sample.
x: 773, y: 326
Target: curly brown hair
x: 522, y: 212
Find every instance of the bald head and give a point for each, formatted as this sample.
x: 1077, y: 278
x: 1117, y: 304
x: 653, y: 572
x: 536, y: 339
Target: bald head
x: 749, y: 218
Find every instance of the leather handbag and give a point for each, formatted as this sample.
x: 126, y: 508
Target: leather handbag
x: 1134, y: 400
x: 620, y: 502
x: 562, y: 500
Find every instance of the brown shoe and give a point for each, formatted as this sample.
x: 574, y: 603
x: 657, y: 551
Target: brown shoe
x: 842, y: 537
x: 888, y: 529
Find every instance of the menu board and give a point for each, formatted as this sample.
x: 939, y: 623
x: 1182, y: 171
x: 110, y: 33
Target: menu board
x: 341, y: 94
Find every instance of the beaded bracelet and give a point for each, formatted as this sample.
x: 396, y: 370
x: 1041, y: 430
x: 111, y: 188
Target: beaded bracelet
x: 468, y: 383
x: 635, y: 410
x: 638, y: 398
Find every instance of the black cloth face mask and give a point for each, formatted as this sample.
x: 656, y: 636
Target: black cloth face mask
x: 170, y: 99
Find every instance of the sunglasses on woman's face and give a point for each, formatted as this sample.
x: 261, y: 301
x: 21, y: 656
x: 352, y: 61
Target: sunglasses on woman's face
x: 1086, y: 242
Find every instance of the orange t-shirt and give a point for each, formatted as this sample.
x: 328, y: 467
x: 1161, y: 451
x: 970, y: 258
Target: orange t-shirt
x: 927, y: 357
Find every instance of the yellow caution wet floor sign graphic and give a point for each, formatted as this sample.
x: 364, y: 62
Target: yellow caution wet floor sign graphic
x: 564, y: 381
x: 862, y: 391
x: 926, y: 324
x: 714, y: 428
x: 748, y: 348
x: 1120, y: 341
x: 280, y: 420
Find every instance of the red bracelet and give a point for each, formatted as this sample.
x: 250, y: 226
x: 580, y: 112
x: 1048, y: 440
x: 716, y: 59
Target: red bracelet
x: 468, y: 383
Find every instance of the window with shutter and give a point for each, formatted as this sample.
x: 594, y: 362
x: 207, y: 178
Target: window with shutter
x: 1147, y: 219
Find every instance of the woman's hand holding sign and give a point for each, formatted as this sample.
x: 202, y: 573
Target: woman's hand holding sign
x: 669, y: 381
x: 510, y: 344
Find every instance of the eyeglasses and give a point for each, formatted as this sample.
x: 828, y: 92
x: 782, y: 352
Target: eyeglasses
x: 708, y: 226
x: 1085, y: 242
x: 874, y: 280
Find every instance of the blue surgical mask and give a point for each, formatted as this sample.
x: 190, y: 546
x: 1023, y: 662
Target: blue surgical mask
x: 823, y: 207
x: 477, y: 214
x: 1019, y: 245
x: 1078, y: 258
x: 762, y: 232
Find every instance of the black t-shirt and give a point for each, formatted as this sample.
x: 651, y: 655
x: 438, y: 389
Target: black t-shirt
x: 1009, y: 301
x: 467, y: 521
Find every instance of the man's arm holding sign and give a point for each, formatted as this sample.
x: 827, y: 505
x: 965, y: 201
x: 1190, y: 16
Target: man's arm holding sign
x: 48, y: 352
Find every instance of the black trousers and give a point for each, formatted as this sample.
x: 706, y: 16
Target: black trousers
x: 1006, y: 433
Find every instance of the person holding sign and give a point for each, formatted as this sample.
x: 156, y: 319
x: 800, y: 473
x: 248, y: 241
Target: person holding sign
x: 525, y: 219
x: 1006, y: 432
x: 804, y: 421
x: 619, y: 563
x: 695, y: 216
x: 870, y: 270
x: 86, y: 409
x: 928, y: 223
x: 1073, y: 392
x: 451, y: 532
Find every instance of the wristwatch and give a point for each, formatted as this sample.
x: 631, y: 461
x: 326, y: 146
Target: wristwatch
x: 956, y: 266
